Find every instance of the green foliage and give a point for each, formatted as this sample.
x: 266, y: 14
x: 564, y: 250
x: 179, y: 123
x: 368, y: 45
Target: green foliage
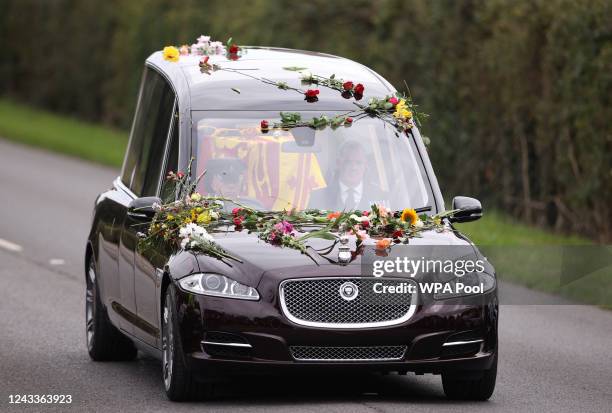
x: 62, y: 134
x: 521, y: 90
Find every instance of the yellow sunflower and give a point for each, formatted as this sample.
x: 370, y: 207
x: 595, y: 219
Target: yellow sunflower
x: 409, y: 215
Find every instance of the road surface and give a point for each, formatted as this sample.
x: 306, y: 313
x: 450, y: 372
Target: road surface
x: 552, y: 357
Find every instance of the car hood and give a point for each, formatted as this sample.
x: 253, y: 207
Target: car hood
x: 257, y: 257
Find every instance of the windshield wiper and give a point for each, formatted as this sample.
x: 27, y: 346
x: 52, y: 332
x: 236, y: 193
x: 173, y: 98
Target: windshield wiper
x: 423, y: 209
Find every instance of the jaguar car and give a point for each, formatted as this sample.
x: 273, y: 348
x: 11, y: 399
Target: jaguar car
x: 276, y: 309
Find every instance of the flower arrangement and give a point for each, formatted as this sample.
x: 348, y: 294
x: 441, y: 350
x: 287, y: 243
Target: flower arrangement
x: 188, y: 222
x: 397, y: 110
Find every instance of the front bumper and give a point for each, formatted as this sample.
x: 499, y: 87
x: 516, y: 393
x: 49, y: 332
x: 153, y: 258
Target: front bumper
x: 270, y: 336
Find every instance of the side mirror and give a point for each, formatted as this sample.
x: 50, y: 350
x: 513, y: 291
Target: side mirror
x: 142, y: 208
x: 469, y: 209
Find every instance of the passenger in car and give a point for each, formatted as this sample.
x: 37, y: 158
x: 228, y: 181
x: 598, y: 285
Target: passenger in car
x: 350, y: 187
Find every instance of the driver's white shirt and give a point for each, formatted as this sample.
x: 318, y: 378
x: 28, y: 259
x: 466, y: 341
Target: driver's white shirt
x: 344, y: 192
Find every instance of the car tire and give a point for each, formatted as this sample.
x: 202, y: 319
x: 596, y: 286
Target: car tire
x: 179, y: 381
x: 104, y: 341
x: 458, y: 388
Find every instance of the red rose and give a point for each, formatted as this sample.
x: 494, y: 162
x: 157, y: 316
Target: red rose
x: 398, y: 233
x: 348, y: 120
x: 359, y: 89
x: 233, y: 49
x: 366, y: 213
x: 204, y: 61
x: 312, y: 93
x: 347, y: 85
x: 265, y: 125
x: 238, y: 221
x: 365, y: 224
x: 236, y: 211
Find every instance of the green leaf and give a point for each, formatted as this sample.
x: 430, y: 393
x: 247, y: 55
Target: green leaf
x: 324, y: 235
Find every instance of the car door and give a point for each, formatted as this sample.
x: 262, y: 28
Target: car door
x: 149, y: 264
x: 142, y: 175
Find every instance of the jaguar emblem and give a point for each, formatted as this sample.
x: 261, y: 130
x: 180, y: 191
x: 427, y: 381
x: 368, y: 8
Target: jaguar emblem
x: 348, y: 291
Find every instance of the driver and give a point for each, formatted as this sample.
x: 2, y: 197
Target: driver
x: 349, y: 188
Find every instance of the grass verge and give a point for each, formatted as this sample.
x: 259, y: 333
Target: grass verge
x: 58, y: 133
x: 570, y: 266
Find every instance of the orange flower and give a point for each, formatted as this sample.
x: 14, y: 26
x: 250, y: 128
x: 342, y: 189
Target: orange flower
x: 409, y: 215
x: 333, y: 215
x: 383, y: 244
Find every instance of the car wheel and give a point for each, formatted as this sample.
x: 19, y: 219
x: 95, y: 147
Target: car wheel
x: 104, y: 341
x: 179, y: 381
x: 458, y: 388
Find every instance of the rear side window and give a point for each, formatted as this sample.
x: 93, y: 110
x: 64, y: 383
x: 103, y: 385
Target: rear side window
x: 144, y: 159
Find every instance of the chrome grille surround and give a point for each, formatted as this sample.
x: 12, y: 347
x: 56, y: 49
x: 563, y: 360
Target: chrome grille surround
x: 371, y: 353
x: 316, y: 302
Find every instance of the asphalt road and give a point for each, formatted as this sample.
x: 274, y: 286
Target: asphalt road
x: 552, y: 357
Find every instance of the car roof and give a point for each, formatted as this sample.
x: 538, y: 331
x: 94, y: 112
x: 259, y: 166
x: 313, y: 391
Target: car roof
x: 219, y: 91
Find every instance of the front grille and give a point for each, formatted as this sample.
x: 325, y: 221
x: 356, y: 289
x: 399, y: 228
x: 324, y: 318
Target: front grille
x: 317, y: 302
x: 373, y: 353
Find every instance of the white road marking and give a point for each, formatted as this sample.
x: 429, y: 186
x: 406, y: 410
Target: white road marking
x: 56, y: 261
x: 11, y: 246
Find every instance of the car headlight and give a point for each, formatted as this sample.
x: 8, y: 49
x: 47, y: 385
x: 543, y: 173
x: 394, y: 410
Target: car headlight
x: 469, y: 284
x: 218, y: 285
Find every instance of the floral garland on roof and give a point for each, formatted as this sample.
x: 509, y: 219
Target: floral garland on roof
x: 397, y: 110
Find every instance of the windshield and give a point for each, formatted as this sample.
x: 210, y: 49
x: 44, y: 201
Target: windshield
x: 347, y: 168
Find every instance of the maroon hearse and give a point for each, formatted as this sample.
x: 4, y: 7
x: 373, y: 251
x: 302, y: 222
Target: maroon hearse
x: 277, y: 308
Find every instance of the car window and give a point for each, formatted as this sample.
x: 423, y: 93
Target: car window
x: 144, y: 159
x: 167, y: 188
x: 333, y: 168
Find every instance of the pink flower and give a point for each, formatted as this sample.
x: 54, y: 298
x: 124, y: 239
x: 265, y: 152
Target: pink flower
x: 348, y: 120
x: 362, y: 235
x: 284, y: 227
x: 382, y: 211
x: 184, y: 50
x: 394, y: 101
